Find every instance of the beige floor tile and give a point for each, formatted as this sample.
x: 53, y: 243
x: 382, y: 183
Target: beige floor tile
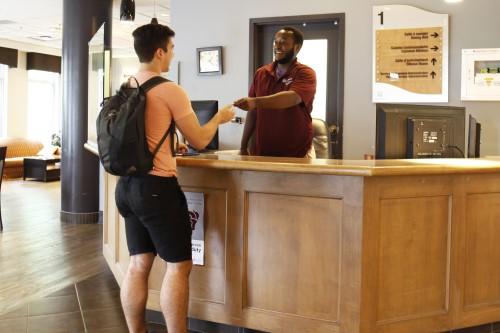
x: 104, y: 318
x: 56, y: 323
x: 13, y: 325
x: 121, y: 329
x: 17, y: 313
x: 100, y: 282
x: 102, y: 300
x: 69, y: 290
x: 53, y: 305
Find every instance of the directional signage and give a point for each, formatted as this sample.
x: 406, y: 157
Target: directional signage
x: 410, y: 55
x: 411, y: 59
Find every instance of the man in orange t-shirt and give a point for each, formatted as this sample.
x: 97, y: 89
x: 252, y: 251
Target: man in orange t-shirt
x: 154, y: 206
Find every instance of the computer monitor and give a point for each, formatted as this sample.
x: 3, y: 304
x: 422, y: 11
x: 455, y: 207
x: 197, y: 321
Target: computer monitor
x: 474, y: 138
x: 205, y: 110
x: 419, y: 131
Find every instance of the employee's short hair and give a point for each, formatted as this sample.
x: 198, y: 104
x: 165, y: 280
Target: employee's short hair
x: 149, y: 38
x: 298, y: 36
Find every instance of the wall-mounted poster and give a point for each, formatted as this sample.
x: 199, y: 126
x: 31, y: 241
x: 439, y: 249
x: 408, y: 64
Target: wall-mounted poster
x: 481, y: 75
x: 410, y: 55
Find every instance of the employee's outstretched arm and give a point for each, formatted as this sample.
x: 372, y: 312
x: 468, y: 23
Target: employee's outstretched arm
x: 281, y: 100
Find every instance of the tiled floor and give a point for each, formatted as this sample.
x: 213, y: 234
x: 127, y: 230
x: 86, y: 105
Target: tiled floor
x: 93, y: 306
x: 90, y: 306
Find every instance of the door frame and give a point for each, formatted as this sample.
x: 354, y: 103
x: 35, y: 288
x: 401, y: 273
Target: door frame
x: 256, y: 25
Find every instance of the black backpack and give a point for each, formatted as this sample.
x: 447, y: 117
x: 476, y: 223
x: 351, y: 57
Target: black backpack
x: 121, y: 135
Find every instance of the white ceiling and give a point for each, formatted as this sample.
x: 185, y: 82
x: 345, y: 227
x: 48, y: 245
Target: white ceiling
x: 25, y: 22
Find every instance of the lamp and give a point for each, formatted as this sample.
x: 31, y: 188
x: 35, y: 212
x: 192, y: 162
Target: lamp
x: 127, y: 10
x: 154, y: 20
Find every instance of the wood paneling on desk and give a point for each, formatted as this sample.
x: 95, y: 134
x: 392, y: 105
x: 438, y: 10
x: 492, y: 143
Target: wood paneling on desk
x: 293, y: 245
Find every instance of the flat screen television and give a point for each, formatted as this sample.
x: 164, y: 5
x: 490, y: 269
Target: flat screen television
x: 474, y: 138
x: 205, y: 110
x: 419, y: 131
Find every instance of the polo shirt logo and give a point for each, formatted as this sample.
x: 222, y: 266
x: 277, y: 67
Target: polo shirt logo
x: 288, y: 81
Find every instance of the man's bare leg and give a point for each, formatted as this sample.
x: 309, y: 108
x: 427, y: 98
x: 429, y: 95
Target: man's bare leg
x: 134, y: 291
x: 174, y: 296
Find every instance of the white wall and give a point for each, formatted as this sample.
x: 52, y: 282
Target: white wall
x: 473, y: 24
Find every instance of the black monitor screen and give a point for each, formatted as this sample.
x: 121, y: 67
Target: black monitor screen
x: 419, y: 131
x: 205, y: 110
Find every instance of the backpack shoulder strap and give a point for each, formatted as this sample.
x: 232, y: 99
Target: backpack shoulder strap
x: 146, y: 86
x: 171, y: 131
x: 153, y: 82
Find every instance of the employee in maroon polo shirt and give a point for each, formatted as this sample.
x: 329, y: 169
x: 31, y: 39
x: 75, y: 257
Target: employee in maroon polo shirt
x: 280, y: 102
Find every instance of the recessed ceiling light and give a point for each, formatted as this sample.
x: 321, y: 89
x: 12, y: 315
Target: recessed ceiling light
x: 44, y: 38
x: 453, y: 1
x: 2, y: 22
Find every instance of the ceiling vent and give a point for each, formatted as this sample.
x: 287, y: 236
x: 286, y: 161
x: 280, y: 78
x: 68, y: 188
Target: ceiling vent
x: 5, y: 22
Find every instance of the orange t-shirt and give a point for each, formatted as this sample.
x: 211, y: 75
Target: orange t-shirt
x: 163, y: 102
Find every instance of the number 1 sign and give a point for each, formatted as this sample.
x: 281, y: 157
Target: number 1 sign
x: 410, y: 55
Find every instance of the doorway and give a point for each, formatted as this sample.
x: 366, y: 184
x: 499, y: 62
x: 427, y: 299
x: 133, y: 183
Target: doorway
x: 323, y: 50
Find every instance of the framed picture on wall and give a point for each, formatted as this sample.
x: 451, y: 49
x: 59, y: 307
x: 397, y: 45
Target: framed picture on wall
x: 209, y: 60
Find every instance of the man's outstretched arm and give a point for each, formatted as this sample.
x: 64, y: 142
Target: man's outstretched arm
x: 281, y: 100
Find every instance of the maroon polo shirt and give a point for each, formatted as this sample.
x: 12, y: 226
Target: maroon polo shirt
x: 284, y: 132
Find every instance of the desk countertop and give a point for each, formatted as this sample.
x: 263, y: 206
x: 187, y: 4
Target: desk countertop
x: 232, y: 161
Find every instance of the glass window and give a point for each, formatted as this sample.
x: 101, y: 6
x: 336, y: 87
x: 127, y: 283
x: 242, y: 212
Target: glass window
x: 44, y: 105
x: 314, y: 53
x: 3, y: 100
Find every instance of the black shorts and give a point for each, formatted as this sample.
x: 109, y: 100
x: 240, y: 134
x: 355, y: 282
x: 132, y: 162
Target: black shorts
x: 156, y: 216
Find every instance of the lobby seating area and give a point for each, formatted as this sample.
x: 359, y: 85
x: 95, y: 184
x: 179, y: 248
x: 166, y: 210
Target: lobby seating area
x: 20, y: 148
x: 17, y: 149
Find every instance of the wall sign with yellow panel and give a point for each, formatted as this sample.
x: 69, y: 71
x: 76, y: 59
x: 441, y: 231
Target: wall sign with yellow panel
x: 481, y: 75
x: 410, y: 55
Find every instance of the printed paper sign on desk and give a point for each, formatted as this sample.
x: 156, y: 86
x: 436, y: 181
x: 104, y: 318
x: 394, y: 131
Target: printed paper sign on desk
x: 196, y: 207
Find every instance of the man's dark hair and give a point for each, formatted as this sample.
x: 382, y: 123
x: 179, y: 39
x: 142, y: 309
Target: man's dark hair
x: 297, y: 35
x: 149, y: 38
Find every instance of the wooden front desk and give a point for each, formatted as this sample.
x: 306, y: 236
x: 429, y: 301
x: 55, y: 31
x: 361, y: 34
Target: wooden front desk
x: 294, y: 245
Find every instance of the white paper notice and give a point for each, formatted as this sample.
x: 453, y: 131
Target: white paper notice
x: 196, y: 207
